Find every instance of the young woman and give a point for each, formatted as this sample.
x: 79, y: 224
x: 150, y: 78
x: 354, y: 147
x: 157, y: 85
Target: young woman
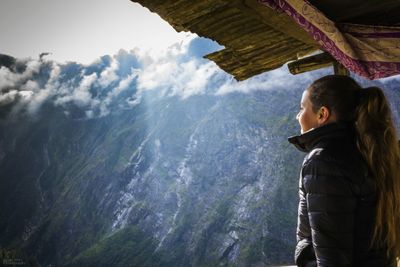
x: 349, y: 209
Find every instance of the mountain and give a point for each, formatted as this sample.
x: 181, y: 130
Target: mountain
x: 204, y: 180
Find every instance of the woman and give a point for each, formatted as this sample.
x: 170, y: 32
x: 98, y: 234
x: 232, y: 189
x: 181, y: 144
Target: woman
x: 349, y: 209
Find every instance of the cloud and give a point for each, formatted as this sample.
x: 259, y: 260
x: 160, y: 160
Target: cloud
x: 40, y: 95
x: 8, y: 97
x: 17, y: 85
x: 184, y: 79
x: 122, y: 86
x: 79, y: 95
x: 11, y: 79
x: 119, y: 81
x: 109, y: 75
x: 279, y: 79
x: 30, y: 85
x: 7, y: 79
x: 176, y: 73
x: 198, y: 80
x: 12, y: 97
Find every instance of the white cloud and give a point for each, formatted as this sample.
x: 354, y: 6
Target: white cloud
x: 122, y: 86
x: 30, y: 85
x: 108, y: 75
x: 19, y: 88
x: 80, y: 95
x: 10, y: 79
x: 26, y: 95
x: 7, y: 78
x: 173, y: 74
x: 193, y: 78
x: 32, y: 67
x: 8, y: 97
x: 277, y: 79
x: 13, y: 95
x: 39, y: 96
x: 157, y: 75
x: 172, y: 51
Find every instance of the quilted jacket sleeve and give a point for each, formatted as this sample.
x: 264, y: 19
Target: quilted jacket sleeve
x: 304, y: 251
x: 331, y: 207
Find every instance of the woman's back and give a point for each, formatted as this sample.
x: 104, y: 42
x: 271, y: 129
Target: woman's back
x: 340, y: 197
x: 349, y: 209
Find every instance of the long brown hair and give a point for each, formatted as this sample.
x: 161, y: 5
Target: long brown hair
x: 377, y: 141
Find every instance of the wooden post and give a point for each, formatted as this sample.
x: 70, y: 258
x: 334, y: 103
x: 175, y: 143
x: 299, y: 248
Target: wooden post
x: 339, y: 69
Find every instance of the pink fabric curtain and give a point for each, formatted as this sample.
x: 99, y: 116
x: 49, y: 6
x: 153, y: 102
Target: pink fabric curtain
x: 369, y: 51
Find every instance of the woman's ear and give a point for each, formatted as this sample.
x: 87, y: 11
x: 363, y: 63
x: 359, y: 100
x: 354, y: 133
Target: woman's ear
x: 324, y: 116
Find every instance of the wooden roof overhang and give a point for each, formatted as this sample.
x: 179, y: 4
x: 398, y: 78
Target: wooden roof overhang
x: 257, y: 38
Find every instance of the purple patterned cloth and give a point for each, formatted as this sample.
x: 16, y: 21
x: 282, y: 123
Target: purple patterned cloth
x: 369, y: 51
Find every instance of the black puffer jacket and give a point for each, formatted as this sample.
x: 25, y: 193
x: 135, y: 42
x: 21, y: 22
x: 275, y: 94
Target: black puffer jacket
x: 337, y: 202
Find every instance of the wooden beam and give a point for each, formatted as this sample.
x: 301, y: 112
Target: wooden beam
x: 310, y: 63
x: 315, y: 62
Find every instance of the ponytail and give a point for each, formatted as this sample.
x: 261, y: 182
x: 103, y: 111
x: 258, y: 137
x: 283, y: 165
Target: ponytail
x: 377, y: 142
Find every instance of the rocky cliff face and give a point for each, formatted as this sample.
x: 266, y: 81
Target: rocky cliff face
x: 202, y: 181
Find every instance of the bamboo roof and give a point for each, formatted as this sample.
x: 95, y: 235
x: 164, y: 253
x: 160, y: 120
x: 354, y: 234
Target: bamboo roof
x: 256, y: 38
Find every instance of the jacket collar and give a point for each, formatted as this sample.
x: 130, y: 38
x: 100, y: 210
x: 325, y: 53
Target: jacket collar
x: 307, y: 141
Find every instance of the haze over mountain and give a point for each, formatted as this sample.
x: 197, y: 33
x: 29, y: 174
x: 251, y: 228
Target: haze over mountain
x: 143, y: 160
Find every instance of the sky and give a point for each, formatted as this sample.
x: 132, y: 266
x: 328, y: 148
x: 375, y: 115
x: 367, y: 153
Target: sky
x: 81, y: 30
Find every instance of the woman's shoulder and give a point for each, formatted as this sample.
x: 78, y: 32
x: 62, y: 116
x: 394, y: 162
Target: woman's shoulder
x: 334, y: 166
x: 325, y: 175
x: 335, y: 150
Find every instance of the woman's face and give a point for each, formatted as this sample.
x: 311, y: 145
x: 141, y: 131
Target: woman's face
x: 307, y: 118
